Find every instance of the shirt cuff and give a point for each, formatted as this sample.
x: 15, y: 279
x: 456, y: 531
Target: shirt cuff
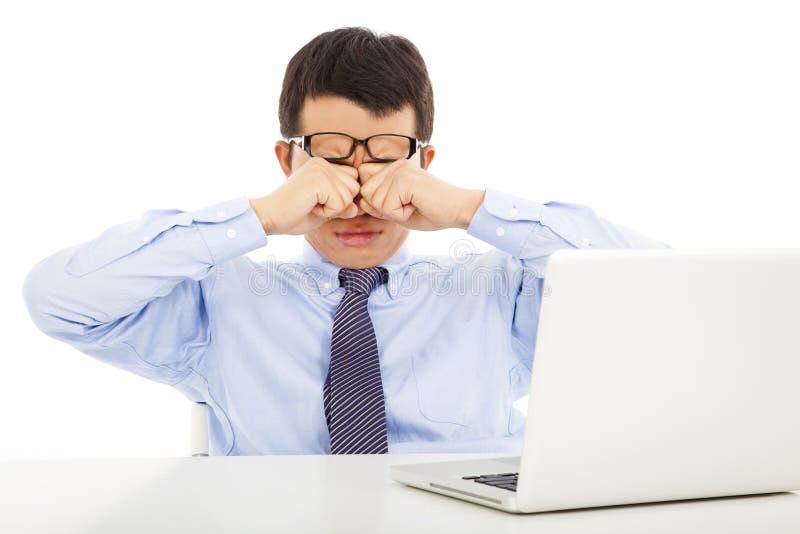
x: 504, y: 221
x: 230, y: 229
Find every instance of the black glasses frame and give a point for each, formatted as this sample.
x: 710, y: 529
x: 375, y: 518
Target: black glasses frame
x: 306, y: 145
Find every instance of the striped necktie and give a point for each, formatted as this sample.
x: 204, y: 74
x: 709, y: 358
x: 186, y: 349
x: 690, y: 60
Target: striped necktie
x: 353, y: 392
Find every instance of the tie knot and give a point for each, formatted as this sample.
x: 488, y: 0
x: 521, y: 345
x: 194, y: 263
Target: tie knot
x: 362, y: 280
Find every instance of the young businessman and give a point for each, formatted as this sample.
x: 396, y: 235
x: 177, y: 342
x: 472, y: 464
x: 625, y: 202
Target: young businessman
x: 358, y: 346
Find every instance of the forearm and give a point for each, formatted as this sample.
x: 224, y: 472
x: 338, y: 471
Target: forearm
x: 132, y: 263
x: 528, y: 230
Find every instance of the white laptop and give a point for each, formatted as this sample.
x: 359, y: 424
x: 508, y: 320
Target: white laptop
x: 658, y: 375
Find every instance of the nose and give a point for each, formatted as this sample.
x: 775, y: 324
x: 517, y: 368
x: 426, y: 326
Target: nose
x: 358, y: 159
x: 358, y: 156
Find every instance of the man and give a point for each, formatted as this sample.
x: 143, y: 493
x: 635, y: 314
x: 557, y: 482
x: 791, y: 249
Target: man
x: 358, y: 346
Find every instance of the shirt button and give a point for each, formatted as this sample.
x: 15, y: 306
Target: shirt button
x: 586, y: 242
x: 231, y: 233
x: 513, y: 211
x: 220, y: 213
x: 500, y: 231
x: 326, y: 285
x: 145, y: 239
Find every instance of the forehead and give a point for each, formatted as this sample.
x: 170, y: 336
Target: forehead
x: 326, y: 113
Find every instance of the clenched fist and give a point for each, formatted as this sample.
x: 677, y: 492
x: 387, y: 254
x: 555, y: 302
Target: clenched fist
x: 401, y: 192
x: 316, y: 191
x: 411, y: 196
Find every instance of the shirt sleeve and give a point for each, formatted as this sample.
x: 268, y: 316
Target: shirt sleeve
x: 528, y: 232
x: 136, y: 295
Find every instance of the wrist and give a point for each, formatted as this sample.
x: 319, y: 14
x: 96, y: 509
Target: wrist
x: 262, y: 211
x: 472, y: 201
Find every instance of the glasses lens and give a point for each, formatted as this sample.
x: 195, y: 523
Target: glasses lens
x: 330, y: 145
x: 389, y: 147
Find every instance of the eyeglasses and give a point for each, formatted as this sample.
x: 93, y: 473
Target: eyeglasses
x: 335, y: 146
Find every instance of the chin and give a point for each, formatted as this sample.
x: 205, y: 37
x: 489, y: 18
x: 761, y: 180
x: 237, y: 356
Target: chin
x: 357, y: 244
x: 358, y: 257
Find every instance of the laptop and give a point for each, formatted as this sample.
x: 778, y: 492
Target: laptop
x: 658, y: 375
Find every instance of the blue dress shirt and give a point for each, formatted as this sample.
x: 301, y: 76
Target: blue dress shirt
x: 173, y: 298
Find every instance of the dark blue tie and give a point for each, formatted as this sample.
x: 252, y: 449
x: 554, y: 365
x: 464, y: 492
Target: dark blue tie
x: 353, y: 391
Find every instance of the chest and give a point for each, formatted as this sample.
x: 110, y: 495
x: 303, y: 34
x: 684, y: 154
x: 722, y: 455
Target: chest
x: 444, y: 359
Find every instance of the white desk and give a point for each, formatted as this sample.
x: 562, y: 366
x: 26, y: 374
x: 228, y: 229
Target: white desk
x: 319, y: 494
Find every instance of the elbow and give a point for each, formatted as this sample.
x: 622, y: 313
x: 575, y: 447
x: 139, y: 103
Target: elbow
x: 38, y: 297
x: 45, y: 301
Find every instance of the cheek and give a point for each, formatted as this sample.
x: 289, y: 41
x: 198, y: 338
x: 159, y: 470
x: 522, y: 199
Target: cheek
x: 321, y: 235
x: 395, y: 232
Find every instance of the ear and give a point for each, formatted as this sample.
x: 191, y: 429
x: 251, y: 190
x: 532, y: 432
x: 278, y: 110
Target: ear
x: 426, y: 156
x: 284, y: 153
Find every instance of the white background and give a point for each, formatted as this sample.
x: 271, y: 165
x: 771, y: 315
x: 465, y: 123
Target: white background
x: 676, y: 118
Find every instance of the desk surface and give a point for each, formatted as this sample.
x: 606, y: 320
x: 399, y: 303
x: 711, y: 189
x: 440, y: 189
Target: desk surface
x: 319, y: 494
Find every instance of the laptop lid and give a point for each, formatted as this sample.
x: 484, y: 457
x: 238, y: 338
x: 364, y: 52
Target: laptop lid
x: 663, y: 374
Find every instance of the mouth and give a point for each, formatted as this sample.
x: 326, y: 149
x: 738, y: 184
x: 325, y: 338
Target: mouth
x: 357, y: 238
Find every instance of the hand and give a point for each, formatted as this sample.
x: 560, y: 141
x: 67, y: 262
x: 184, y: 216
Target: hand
x: 315, y: 192
x: 409, y: 195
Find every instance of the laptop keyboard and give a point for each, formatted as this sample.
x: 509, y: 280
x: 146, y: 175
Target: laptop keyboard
x: 500, y: 480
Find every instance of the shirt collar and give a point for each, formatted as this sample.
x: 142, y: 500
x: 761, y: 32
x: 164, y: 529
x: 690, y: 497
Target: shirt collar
x: 326, y: 274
